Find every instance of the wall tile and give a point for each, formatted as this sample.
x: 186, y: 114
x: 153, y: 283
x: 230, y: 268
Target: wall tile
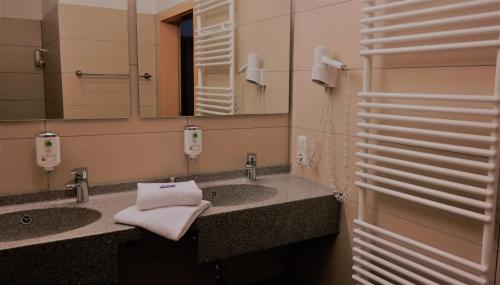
x: 240, y: 122
x: 21, y: 86
x: 276, y: 95
x: 126, y: 157
x: 18, y: 170
x: 50, y: 26
x: 22, y: 32
x: 148, y: 111
x: 147, y: 95
x: 92, y: 23
x: 309, y: 98
x: 265, y: 38
x: 17, y: 59
x: 95, y: 91
x: 52, y: 58
x: 146, y: 29
x: 226, y: 149
x: 249, y: 11
x: 147, y: 59
x: 302, y: 5
x: 94, y: 56
x: 72, y: 112
x: 19, y: 130
x: 122, y: 126
x: 22, y: 110
x: 335, y: 26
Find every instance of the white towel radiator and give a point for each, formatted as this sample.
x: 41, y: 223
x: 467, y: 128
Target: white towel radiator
x: 450, y: 164
x: 214, y: 49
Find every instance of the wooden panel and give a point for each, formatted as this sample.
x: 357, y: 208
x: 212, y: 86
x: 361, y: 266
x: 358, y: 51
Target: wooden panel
x: 169, y: 58
x: 169, y: 69
x: 176, y: 11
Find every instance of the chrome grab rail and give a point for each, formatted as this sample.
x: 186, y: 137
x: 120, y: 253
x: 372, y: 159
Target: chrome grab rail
x: 80, y: 73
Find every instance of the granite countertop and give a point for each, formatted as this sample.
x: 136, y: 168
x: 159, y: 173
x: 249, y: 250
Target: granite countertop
x: 290, y: 188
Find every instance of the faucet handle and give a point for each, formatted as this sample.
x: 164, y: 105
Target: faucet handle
x: 251, y: 158
x: 81, y: 173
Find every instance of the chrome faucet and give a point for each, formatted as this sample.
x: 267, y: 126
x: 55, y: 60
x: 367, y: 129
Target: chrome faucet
x: 80, y: 184
x: 251, y: 166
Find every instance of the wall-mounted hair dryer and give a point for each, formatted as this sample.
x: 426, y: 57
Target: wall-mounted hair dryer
x: 255, y: 74
x: 324, y: 70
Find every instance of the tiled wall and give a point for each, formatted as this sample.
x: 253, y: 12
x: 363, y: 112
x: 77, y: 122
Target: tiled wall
x: 95, y: 40
x: 146, y: 32
x: 263, y: 27
x: 129, y: 149
x: 21, y: 81
x: 336, y: 24
x: 52, y: 70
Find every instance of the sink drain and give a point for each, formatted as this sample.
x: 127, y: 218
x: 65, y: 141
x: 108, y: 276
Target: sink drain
x: 26, y: 220
x: 213, y: 193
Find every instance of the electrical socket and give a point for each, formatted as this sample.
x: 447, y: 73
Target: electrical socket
x: 301, y: 157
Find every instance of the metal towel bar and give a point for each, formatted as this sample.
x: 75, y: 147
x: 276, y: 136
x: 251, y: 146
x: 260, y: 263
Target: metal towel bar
x: 80, y: 73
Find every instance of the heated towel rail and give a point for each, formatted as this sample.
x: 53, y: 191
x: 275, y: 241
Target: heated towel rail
x: 214, y: 55
x: 435, y: 150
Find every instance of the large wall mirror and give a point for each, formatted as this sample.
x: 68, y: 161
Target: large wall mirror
x: 64, y: 59
x: 214, y: 57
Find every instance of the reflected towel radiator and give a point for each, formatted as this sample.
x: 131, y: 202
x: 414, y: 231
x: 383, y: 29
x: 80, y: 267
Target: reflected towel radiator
x: 214, y: 54
x: 435, y: 150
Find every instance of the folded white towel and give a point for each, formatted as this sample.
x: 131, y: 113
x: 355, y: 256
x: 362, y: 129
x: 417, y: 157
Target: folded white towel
x: 170, y: 222
x: 157, y: 195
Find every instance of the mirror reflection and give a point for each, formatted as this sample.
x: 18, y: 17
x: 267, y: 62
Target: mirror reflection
x: 217, y: 57
x: 63, y: 59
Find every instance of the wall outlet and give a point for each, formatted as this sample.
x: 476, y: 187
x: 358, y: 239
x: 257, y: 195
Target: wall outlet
x: 302, y: 158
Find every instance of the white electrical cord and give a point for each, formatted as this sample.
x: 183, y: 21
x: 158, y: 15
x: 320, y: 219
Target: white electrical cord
x: 262, y: 92
x: 330, y: 148
x: 344, y: 194
x: 327, y: 124
x: 323, y: 118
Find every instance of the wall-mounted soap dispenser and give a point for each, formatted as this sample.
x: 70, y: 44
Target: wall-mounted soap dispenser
x: 192, y: 141
x: 48, y: 150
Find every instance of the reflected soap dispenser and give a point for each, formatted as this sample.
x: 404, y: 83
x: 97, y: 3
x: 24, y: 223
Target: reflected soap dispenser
x: 192, y: 141
x: 48, y: 150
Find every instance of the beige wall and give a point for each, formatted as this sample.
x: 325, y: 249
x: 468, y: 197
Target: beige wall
x: 146, y: 32
x: 336, y: 24
x: 27, y: 9
x: 52, y: 70
x: 21, y: 82
x: 130, y: 149
x: 94, y: 40
x: 263, y: 27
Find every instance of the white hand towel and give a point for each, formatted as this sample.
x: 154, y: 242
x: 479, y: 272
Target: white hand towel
x: 157, y: 195
x: 170, y: 222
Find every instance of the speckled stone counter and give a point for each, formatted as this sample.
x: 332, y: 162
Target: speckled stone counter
x: 301, y: 210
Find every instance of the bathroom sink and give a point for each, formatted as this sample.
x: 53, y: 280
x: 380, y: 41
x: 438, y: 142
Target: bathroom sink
x: 237, y: 194
x: 43, y: 222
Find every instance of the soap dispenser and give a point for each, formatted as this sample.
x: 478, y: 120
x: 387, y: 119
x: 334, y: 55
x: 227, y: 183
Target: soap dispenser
x: 48, y: 150
x: 192, y: 141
